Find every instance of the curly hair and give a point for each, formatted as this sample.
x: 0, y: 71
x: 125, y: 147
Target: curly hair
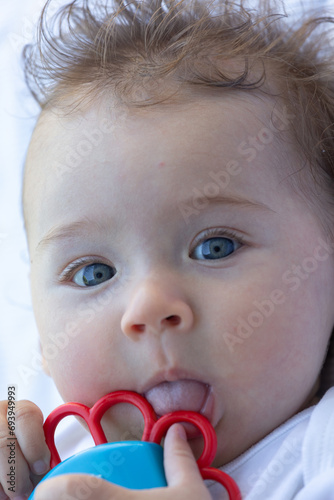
x: 149, y: 52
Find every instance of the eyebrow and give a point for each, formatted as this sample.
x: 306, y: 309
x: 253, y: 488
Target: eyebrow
x: 232, y: 200
x: 67, y: 232
x: 74, y: 229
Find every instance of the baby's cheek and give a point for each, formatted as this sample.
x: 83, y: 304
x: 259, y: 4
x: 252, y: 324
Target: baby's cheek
x: 65, y: 348
x: 246, y: 310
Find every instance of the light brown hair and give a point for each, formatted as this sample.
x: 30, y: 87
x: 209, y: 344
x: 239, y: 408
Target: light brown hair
x: 149, y: 52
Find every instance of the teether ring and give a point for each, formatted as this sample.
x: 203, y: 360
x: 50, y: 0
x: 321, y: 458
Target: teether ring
x: 149, y: 458
x: 92, y: 417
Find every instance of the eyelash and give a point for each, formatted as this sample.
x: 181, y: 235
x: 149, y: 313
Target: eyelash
x: 223, y: 233
x: 68, y: 273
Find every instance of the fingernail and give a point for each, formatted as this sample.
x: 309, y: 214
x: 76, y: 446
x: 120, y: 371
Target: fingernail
x: 40, y: 467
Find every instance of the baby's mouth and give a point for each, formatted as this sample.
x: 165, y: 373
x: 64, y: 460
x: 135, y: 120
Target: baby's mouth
x: 190, y: 395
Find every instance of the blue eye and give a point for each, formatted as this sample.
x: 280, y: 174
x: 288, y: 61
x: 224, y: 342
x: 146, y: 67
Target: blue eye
x: 93, y: 274
x: 214, y: 248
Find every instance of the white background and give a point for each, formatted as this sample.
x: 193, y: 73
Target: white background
x: 19, y: 360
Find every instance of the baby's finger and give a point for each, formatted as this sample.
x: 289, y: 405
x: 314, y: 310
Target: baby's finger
x: 80, y: 486
x: 29, y: 432
x: 14, y: 471
x: 3, y: 495
x: 180, y: 465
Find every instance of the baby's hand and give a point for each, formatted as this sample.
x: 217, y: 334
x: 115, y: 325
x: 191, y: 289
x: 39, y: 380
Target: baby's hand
x: 183, y: 478
x: 24, y: 456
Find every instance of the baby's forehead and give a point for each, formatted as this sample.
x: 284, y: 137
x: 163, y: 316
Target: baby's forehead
x: 82, y: 132
x: 55, y: 124
x: 236, y: 125
x: 235, y: 128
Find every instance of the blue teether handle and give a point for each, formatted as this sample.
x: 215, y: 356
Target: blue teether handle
x: 131, y: 464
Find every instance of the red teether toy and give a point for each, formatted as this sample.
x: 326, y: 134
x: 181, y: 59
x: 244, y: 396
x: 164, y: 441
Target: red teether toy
x: 142, y: 462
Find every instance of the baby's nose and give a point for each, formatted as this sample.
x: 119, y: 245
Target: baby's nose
x: 154, y: 310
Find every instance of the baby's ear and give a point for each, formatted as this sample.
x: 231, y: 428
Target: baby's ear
x: 45, y: 365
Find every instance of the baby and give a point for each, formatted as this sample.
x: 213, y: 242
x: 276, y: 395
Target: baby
x: 178, y: 205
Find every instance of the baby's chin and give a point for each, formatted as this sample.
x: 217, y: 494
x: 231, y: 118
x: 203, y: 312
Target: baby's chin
x: 123, y: 422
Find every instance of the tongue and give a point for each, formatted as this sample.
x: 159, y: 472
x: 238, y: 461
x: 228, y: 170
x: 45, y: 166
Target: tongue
x: 180, y: 395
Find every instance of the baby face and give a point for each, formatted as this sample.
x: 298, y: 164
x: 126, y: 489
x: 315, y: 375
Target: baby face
x: 170, y: 256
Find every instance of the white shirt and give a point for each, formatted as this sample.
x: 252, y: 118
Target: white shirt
x: 295, y: 461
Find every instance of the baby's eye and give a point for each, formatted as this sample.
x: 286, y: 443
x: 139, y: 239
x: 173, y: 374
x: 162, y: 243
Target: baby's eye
x: 214, y: 248
x: 93, y: 274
